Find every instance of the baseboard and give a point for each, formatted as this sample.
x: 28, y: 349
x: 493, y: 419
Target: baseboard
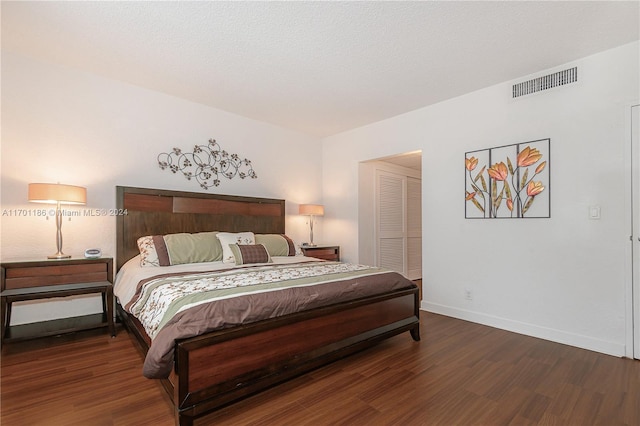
x: 554, y: 335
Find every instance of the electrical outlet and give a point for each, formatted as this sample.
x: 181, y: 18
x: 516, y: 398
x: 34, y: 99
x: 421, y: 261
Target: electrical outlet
x: 467, y: 294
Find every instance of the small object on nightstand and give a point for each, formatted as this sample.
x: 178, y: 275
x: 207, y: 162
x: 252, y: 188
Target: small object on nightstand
x: 92, y: 253
x: 322, y: 252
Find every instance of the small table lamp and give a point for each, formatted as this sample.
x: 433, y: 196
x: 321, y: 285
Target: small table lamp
x: 55, y: 193
x: 311, y: 210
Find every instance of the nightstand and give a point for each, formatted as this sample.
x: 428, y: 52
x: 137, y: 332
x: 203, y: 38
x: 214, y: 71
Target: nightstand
x: 322, y: 252
x: 45, y: 279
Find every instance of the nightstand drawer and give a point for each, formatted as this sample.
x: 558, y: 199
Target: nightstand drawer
x: 37, y: 276
x: 323, y: 252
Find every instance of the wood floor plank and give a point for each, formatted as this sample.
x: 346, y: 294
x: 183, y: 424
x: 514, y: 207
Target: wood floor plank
x: 459, y: 374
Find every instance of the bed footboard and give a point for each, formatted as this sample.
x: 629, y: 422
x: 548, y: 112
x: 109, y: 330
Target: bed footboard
x: 273, y: 351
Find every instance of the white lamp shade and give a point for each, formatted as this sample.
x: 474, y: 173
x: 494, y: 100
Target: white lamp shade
x: 311, y: 209
x: 53, y: 193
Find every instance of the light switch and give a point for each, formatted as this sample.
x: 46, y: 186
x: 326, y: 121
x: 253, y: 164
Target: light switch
x: 594, y: 212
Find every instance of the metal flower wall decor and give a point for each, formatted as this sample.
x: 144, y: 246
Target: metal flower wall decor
x: 206, y: 164
x: 497, y: 187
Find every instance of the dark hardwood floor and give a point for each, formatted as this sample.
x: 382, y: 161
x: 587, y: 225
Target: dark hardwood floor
x: 459, y: 374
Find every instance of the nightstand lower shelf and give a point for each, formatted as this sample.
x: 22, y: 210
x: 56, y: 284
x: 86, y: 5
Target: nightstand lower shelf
x: 55, y: 327
x: 11, y: 333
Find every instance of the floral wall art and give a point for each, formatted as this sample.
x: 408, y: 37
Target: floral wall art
x: 206, y: 164
x: 510, y: 181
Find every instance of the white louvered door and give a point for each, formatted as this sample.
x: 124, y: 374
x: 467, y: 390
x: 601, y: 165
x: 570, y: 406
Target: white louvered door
x: 398, y: 223
x: 391, y: 227
x: 414, y: 228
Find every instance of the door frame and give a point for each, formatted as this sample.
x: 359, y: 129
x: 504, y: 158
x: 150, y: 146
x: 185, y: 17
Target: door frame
x: 632, y: 207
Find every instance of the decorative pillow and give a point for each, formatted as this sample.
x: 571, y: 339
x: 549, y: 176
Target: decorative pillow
x: 226, y: 238
x: 192, y: 248
x: 176, y: 249
x: 148, y: 254
x: 277, y: 244
x: 153, y: 251
x: 244, y: 254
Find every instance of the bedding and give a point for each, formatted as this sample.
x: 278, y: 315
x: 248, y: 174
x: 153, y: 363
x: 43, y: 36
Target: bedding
x: 187, y: 300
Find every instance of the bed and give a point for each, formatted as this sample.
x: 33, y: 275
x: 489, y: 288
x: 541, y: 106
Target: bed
x: 225, y: 362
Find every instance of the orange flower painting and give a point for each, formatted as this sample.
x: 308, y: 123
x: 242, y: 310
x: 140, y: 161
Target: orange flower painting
x: 500, y: 190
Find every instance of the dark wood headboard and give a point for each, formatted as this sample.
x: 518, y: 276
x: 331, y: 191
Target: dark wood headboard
x: 160, y: 212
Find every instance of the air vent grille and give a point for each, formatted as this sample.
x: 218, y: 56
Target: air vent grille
x: 550, y: 81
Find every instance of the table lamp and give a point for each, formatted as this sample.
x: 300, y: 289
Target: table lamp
x: 55, y: 193
x: 311, y: 210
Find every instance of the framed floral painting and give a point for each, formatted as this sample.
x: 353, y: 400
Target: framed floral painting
x: 509, y: 181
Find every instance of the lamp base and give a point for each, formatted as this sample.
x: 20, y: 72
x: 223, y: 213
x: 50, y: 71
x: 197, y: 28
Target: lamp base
x: 59, y: 256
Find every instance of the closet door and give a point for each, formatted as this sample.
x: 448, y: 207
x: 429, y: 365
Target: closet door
x: 399, y: 223
x: 414, y: 228
x: 391, y: 189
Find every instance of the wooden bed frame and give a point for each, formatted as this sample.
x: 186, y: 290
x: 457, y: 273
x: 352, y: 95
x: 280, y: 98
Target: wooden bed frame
x: 205, y: 377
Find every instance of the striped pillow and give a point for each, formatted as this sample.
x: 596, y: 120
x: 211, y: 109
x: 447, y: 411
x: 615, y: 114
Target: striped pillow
x: 250, y: 253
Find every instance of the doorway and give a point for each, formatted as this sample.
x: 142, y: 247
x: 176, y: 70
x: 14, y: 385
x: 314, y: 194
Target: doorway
x: 390, y: 218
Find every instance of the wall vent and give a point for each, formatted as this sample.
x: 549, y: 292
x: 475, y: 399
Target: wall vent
x: 545, y: 82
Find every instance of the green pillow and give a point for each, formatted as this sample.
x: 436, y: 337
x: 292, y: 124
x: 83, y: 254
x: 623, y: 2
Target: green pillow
x: 193, y: 248
x: 277, y: 244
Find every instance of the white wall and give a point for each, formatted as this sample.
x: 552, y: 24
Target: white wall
x: 561, y: 278
x: 62, y: 125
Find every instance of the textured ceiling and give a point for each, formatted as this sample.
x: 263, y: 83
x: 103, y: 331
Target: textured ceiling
x: 316, y: 67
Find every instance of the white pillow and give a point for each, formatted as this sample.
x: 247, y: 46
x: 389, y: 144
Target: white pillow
x: 227, y: 238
